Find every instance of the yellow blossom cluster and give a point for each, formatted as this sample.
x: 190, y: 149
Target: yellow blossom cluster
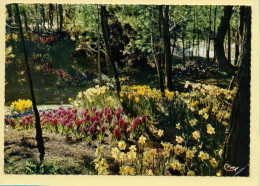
x: 127, y: 170
x: 176, y: 165
x: 142, y: 140
x: 179, y: 149
x: 122, y: 145
x: 138, y: 92
x: 101, y: 166
x: 91, y: 93
x: 149, y: 156
x: 203, y: 155
x: 190, y: 153
x: 196, y: 135
x: 21, y: 105
x: 167, y: 148
x: 210, y: 129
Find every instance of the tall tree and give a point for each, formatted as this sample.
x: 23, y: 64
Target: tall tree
x: 237, y: 149
x: 166, y: 45
x: 26, y: 24
x: 39, y: 138
x: 57, y: 16
x: 51, y: 11
x: 104, y: 25
x: 215, y: 18
x: 61, y: 16
x: 222, y: 30
x: 229, y: 45
x: 198, y: 55
x: 43, y: 15
x: 98, y: 46
x: 194, y: 33
x: 240, y: 33
x: 208, y: 48
x: 183, y: 43
x: 9, y: 20
x: 156, y: 50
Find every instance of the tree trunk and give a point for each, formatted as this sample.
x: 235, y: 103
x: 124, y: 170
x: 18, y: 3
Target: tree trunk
x: 161, y: 35
x: 9, y: 20
x: 167, y: 49
x: 57, y: 14
x: 26, y: 25
x: 37, y: 22
x: 39, y: 138
x: 104, y: 24
x: 194, y: 33
x: 220, y: 53
x: 61, y: 16
x: 238, y: 140
x: 99, y: 61
x: 240, y: 33
x: 174, y: 42
x: 189, y: 49
x: 156, y: 53
x: 208, y: 48
x: 198, y: 55
x: 183, y: 45
x: 43, y: 16
x: 229, y: 46
x: 236, y: 49
x: 51, y: 10
x: 215, y: 18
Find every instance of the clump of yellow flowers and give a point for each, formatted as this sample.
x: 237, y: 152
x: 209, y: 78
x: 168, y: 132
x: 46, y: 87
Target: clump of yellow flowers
x: 21, y: 105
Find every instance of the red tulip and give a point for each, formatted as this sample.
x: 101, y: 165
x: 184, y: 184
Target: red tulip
x: 121, y: 121
x: 83, y: 130
x: 103, y: 129
x: 69, y: 125
x: 124, y: 126
x: 134, y: 125
x: 143, y: 119
x: 91, y: 130
x: 95, y: 124
x: 137, y: 121
x: 117, y: 133
x: 93, y: 119
x: 108, y: 117
x: 88, y: 117
x: 117, y: 115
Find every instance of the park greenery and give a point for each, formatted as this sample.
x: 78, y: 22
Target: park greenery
x: 127, y: 89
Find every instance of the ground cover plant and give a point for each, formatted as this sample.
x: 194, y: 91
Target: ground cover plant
x: 118, y: 90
